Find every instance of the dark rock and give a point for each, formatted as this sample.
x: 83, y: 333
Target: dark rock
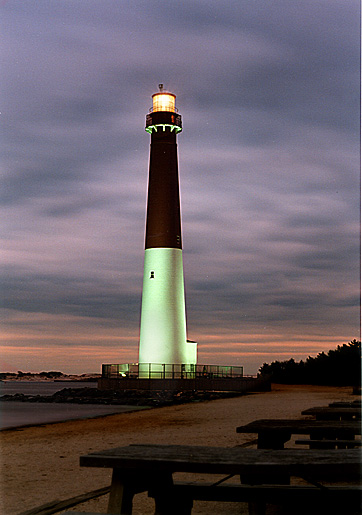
x: 125, y: 397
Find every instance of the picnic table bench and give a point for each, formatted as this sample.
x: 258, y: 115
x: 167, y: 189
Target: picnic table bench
x: 334, y: 413
x: 138, y: 468
x: 273, y: 433
x: 329, y: 444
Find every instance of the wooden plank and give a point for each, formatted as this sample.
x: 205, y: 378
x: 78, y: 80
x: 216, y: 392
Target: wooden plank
x: 270, y: 493
x: 349, y: 444
x: 301, y: 426
x: 334, y: 413
x: 57, y: 506
x: 272, y: 434
x: 175, y: 458
x: 328, y: 409
x: 344, y: 404
x: 309, y: 498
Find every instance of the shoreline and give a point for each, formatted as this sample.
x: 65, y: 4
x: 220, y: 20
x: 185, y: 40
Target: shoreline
x: 130, y: 409
x: 53, y: 450
x: 49, y: 409
x: 21, y: 409
x: 51, y: 400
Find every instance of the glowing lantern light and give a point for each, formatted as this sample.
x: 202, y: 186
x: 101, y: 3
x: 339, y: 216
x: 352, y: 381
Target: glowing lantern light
x: 163, y: 101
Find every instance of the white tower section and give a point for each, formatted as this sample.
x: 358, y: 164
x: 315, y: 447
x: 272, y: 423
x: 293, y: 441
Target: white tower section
x: 163, y: 318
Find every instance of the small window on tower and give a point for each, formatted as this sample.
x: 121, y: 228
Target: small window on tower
x: 152, y: 274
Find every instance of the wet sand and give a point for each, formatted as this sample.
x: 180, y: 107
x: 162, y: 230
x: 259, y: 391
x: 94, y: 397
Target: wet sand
x: 41, y: 463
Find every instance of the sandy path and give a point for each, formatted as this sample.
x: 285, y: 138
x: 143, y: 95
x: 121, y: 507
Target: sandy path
x: 41, y: 464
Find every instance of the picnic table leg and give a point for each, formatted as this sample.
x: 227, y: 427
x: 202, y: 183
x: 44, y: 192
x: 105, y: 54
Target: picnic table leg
x: 267, y: 440
x: 122, y: 492
x: 272, y: 439
x: 165, y: 505
x: 165, y: 501
x: 257, y: 508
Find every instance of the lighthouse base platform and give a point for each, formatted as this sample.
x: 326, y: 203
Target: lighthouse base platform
x: 182, y: 377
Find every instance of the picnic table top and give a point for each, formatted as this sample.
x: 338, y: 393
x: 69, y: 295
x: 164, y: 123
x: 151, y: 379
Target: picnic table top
x: 202, y: 459
x: 345, y: 404
x: 337, y: 410
x: 301, y: 426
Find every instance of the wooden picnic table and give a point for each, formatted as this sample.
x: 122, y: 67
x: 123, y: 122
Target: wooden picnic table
x: 138, y: 468
x: 273, y: 433
x: 334, y: 413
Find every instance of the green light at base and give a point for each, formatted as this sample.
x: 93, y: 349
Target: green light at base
x: 175, y: 128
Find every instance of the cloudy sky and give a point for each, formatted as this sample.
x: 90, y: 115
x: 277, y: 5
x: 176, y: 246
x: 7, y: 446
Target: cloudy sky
x: 269, y: 173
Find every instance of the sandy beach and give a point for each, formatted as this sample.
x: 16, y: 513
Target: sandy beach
x: 41, y: 463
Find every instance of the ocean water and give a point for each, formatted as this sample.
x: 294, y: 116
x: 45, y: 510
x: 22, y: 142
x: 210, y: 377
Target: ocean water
x: 16, y: 414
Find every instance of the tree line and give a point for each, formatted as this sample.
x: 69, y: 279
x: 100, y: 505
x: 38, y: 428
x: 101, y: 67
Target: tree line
x: 19, y: 374
x: 339, y: 367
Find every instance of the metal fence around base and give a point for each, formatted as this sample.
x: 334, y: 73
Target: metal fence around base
x: 169, y: 371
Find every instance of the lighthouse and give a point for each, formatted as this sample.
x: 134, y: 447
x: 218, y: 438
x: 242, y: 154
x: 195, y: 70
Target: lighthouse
x: 163, y: 334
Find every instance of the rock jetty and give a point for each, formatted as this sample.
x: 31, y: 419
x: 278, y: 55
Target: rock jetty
x: 125, y: 397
